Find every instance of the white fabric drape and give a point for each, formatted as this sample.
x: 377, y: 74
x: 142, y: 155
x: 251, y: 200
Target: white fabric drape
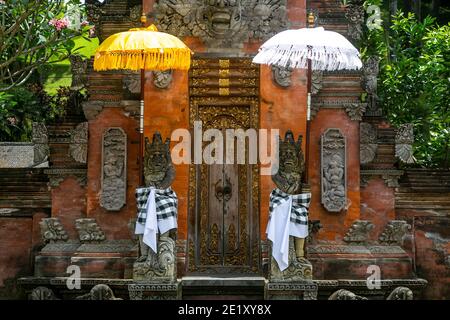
x: 279, y: 228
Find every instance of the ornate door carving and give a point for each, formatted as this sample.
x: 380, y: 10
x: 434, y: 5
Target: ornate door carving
x: 223, y: 198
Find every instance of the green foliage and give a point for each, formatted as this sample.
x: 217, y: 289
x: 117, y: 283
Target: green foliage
x: 414, y: 80
x: 21, y: 106
x: 35, y: 32
x: 415, y: 84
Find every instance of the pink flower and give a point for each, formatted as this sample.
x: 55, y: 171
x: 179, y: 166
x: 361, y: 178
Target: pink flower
x: 85, y: 23
x: 92, y: 32
x: 59, y: 24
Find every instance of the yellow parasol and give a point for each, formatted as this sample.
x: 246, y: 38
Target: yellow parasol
x: 142, y: 49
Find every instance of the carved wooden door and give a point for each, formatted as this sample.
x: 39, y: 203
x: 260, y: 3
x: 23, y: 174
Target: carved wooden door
x: 224, y: 198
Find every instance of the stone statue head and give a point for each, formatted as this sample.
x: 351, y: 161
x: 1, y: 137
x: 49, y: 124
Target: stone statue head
x: 158, y: 167
x: 221, y: 16
x: 291, y: 164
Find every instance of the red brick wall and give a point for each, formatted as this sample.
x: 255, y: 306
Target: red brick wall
x: 113, y: 223
x: 69, y: 204
x: 335, y: 225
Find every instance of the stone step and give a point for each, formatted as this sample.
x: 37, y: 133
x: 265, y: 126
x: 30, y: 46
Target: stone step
x: 222, y: 288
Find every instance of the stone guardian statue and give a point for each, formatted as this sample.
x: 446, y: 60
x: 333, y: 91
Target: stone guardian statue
x: 157, y: 207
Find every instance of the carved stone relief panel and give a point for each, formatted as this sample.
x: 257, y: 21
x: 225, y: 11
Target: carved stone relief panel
x: 368, y: 142
x: 78, y: 143
x: 222, y: 24
x: 333, y: 170
x: 114, y: 169
x: 355, y: 18
x: 316, y: 81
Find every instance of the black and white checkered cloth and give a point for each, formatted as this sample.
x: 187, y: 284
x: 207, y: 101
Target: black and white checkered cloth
x: 166, y: 203
x: 300, y: 205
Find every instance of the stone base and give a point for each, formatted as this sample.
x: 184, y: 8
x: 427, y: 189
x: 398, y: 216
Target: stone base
x: 295, y: 290
x: 143, y: 272
x: 155, y: 291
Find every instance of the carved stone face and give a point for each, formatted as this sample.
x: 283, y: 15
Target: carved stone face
x: 158, y: 163
x: 289, y: 159
x: 220, y: 16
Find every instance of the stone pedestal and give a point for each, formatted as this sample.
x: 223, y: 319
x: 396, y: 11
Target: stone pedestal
x: 293, y: 283
x: 155, y: 290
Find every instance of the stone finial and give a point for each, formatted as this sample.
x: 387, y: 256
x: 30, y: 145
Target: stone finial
x: 52, y: 230
x: 404, y: 140
x: 40, y: 140
x: 358, y: 233
x: 343, y: 294
x: 42, y: 293
x: 89, y: 231
x: 79, y: 143
x: 368, y: 142
x: 394, y: 232
x: 99, y: 292
x: 401, y: 293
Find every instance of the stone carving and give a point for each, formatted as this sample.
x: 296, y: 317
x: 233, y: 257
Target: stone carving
x: 369, y: 82
x: 40, y: 140
x: 94, y: 14
x: 368, y: 142
x: 404, y: 143
x: 160, y: 266
x: 355, y: 17
x: 114, y: 169
x: 78, y: 67
x: 99, y: 292
x: 222, y: 24
x: 52, y: 230
x: 42, y: 293
x: 343, y: 294
x: 291, y: 165
x: 158, y: 168
x: 89, y: 231
x: 355, y: 110
x: 313, y: 227
x: 282, y: 76
x: 162, y: 79
x: 358, y: 233
x: 79, y: 143
x: 298, y: 269
x: 159, y: 173
x: 390, y: 176
x: 333, y: 169
x: 401, y: 293
x: 316, y: 81
x: 394, y: 232
x: 56, y: 176
x: 132, y: 81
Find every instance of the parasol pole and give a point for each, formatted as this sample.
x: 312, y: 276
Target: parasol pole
x: 141, y: 116
x: 311, y: 20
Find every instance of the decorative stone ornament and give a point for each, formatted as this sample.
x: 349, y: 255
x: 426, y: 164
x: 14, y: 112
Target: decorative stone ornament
x: 394, y: 232
x: 368, y: 142
x: 358, y: 234
x: 404, y: 140
x: 79, y: 143
x: 89, y: 231
x: 333, y: 170
x: 52, y: 230
x: 162, y: 79
x: 282, y: 76
x: 221, y: 24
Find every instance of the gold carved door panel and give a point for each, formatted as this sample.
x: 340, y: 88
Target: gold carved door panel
x: 224, y: 198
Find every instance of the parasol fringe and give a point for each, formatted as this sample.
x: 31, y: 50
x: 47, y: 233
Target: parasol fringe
x: 156, y: 59
x: 322, y: 58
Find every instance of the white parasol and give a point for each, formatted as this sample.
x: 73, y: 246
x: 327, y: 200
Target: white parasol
x: 312, y: 49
